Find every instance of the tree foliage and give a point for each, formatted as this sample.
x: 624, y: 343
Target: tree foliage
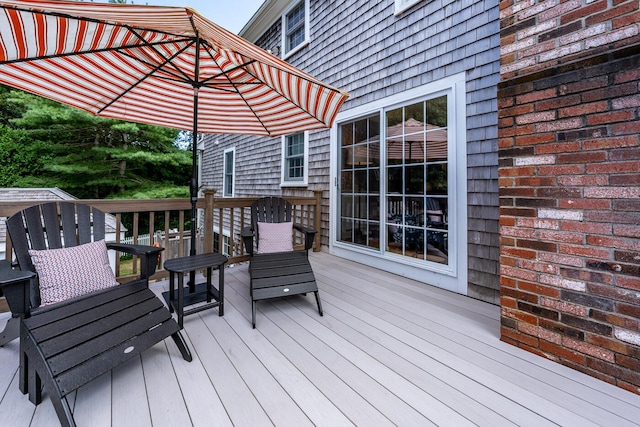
x: 47, y: 144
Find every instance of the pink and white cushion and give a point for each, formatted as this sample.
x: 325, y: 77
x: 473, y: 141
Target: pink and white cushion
x: 71, y: 272
x: 275, y: 237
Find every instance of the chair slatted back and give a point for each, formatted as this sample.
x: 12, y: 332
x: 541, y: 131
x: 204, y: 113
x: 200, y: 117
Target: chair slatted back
x: 270, y: 209
x: 52, y: 226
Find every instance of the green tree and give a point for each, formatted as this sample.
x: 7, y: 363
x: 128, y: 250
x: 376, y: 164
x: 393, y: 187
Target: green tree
x: 47, y: 144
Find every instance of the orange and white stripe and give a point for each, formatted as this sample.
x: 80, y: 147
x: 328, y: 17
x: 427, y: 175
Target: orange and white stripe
x: 110, y: 60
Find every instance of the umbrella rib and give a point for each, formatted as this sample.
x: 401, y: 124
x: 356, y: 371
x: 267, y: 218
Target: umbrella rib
x: 266, y: 129
x: 128, y: 89
x: 84, y: 52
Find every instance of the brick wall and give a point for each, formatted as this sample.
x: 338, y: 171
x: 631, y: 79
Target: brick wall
x: 569, y: 177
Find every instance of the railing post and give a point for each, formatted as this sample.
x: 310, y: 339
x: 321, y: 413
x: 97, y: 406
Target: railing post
x: 209, y: 198
x: 317, y: 216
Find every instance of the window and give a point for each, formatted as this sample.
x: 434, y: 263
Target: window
x: 415, y: 180
x: 295, y: 28
x: 399, y: 187
x: 229, y: 169
x: 402, y: 5
x: 294, y: 159
x: 226, y: 244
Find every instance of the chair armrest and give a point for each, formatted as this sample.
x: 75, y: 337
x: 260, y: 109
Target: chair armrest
x: 148, y: 256
x: 15, y: 287
x: 247, y: 237
x: 309, y: 235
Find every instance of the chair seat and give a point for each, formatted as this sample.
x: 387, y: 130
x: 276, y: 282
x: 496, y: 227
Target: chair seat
x: 281, y: 274
x: 81, y: 341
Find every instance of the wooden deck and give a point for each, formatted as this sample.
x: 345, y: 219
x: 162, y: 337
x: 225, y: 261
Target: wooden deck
x: 388, y: 351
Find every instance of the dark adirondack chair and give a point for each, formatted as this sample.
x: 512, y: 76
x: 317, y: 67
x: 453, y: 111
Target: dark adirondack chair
x: 67, y: 344
x: 277, y: 274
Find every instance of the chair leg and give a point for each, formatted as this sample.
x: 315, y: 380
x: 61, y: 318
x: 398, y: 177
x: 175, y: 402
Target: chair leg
x: 182, y: 346
x: 319, y: 303
x: 11, y: 331
x: 253, y: 313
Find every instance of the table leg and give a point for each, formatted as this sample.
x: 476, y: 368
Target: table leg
x: 172, y: 296
x: 192, y: 281
x: 221, y: 289
x: 180, y: 298
x: 208, y: 284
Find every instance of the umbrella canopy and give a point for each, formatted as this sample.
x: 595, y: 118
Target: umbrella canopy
x: 166, y: 66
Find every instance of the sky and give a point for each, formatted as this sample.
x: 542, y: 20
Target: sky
x: 230, y: 14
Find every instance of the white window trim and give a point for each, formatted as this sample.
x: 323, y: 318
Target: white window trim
x: 283, y: 170
x: 452, y: 277
x: 402, y: 5
x: 283, y: 31
x: 224, y: 169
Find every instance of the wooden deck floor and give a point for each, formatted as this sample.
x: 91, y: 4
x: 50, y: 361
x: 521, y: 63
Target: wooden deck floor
x: 388, y: 351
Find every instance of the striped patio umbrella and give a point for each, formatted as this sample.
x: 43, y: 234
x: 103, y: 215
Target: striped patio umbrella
x: 166, y: 66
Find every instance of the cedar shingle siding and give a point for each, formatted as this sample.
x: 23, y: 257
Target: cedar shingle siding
x: 361, y: 47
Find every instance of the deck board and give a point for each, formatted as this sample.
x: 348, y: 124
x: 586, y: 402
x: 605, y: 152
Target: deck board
x: 388, y: 351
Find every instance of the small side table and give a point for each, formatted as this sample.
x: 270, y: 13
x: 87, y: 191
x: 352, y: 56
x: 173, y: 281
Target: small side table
x: 14, y: 286
x: 196, y: 293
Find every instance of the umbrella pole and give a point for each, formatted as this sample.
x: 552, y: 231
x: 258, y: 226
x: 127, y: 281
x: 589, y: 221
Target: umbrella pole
x: 194, y: 151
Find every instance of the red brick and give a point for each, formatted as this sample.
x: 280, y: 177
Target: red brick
x: 614, y: 319
x: 519, y: 315
x: 559, y: 102
x: 627, y: 20
x: 508, y: 302
x: 516, y: 131
x: 537, y: 96
x: 517, y: 171
x: 519, y: 295
x: 628, y: 282
x: 562, y: 352
x: 561, y: 170
x: 584, y: 227
x: 624, y: 154
x: 626, y: 128
x: 561, y: 236
x: 583, y: 180
x: 518, y: 253
x: 606, y: 15
x: 506, y: 142
x: 508, y: 282
x: 585, y: 204
x: 613, y: 167
x: 578, y: 310
x: 508, y: 261
x: 518, y: 337
x: 627, y: 180
x: 584, y: 251
x: 584, y: 11
x: 614, y: 242
x: 548, y: 224
x: 608, y: 143
x: 628, y: 75
x: 589, y: 349
x: 518, y: 273
x: 542, y: 267
x: 583, y: 157
x: 563, y: 147
x: 626, y: 230
x: 573, y: 261
x: 614, y: 293
x: 558, y: 125
x: 539, y: 289
x: 629, y: 387
x: 583, y: 109
x: 608, y: 343
x: 611, y: 117
x: 614, y: 371
x: 628, y: 309
x: 535, y: 181
x: 515, y: 110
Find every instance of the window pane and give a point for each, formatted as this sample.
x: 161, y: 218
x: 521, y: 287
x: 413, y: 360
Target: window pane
x: 417, y: 181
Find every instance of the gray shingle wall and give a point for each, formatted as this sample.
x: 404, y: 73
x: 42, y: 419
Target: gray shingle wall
x: 361, y: 47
